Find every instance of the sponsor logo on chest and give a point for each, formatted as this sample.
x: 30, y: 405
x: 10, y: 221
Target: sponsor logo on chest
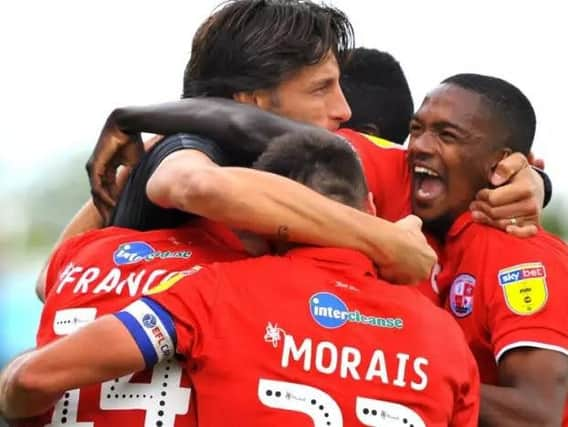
x: 330, y: 312
x: 135, y: 252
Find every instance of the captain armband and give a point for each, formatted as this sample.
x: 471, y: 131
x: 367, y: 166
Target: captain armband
x: 152, y: 328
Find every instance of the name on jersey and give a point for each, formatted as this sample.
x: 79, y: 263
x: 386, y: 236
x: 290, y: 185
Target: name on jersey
x: 329, y: 311
x: 92, y: 280
x: 398, y: 369
x: 135, y: 252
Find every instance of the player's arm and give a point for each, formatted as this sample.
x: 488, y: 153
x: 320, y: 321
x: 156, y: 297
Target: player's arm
x: 247, y: 130
x: 275, y: 206
x: 87, y: 218
x: 230, y: 123
x: 32, y: 383
x: 532, y: 390
x: 516, y: 204
x: 525, y: 303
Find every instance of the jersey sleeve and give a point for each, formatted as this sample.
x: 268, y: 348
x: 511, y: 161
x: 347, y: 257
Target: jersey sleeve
x: 526, y: 295
x: 134, y: 209
x: 176, y: 318
x: 466, y: 408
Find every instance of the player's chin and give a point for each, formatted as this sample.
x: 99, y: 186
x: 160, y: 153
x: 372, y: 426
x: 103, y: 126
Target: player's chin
x: 426, y: 211
x: 436, y: 218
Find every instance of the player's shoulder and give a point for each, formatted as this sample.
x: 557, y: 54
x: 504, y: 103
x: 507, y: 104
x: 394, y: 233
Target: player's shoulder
x: 98, y: 235
x: 498, y: 245
x: 368, y: 144
x: 427, y: 320
x: 371, y: 140
x: 423, y: 306
x: 186, y: 141
x: 253, y: 266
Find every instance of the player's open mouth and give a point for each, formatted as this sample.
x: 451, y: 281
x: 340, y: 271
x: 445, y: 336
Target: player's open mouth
x: 428, y: 184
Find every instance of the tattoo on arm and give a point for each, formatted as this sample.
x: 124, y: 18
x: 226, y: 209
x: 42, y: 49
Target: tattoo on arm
x: 283, y: 234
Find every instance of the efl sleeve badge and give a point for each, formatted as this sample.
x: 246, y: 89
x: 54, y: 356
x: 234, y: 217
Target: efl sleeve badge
x: 524, y: 287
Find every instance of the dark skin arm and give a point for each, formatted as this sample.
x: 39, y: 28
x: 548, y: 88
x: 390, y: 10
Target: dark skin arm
x: 247, y: 130
x: 532, y: 390
x: 241, y: 129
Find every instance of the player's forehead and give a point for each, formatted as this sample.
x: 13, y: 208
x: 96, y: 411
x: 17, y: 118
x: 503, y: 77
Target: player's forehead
x: 315, y: 75
x: 453, y: 106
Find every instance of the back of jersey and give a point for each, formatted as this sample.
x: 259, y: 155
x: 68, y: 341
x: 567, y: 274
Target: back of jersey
x: 313, y: 339
x: 99, y: 273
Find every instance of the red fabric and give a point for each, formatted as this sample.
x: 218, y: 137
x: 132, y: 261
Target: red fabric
x: 387, y: 174
x: 238, y: 322
x: 507, y: 269
x: 75, y: 278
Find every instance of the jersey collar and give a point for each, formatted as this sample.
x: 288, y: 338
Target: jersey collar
x: 345, y: 259
x: 460, y: 224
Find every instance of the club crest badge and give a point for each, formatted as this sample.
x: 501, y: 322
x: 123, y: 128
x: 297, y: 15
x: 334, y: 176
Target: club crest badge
x: 524, y: 287
x: 461, y: 295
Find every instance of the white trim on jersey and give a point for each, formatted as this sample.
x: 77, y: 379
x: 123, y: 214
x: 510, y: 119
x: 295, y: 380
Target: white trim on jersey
x: 532, y: 344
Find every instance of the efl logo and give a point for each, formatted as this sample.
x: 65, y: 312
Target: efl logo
x: 149, y: 320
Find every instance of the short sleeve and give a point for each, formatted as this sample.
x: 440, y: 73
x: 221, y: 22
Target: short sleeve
x: 190, y: 302
x: 134, y: 209
x: 527, y: 294
x: 466, y: 408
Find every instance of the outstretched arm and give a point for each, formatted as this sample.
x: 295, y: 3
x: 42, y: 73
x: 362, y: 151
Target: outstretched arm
x: 272, y: 205
x: 247, y: 130
x: 275, y: 206
x: 241, y: 129
x: 32, y: 383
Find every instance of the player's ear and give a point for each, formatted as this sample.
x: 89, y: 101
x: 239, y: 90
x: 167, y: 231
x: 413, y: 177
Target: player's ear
x: 260, y: 98
x: 370, y: 207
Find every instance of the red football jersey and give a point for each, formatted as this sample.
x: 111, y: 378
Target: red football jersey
x: 507, y: 292
x: 312, y: 339
x: 386, y: 170
x: 102, y: 271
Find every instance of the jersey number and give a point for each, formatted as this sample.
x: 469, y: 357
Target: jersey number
x: 162, y: 399
x: 325, y: 412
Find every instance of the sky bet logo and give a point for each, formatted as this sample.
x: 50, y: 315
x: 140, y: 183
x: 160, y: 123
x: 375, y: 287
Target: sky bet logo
x: 134, y: 252
x: 330, y: 312
x: 521, y: 272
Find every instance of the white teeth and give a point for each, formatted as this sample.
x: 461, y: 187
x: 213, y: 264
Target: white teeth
x: 422, y: 169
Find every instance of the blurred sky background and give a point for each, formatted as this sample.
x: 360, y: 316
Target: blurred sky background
x: 67, y: 64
